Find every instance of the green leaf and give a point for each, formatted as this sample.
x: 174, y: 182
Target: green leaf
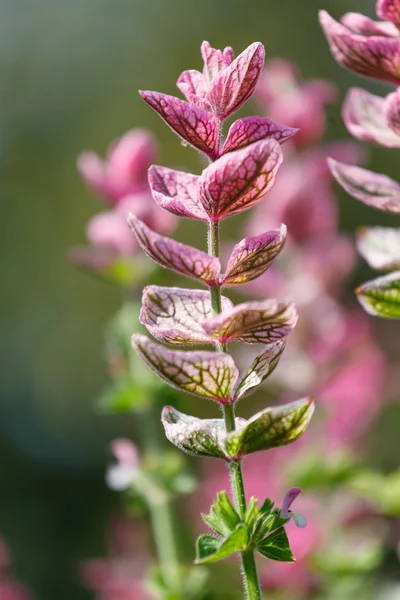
x: 266, y: 522
x: 223, y: 518
x: 251, y: 513
x: 210, y: 375
x: 270, y: 428
x: 276, y: 547
x: 199, y: 437
x: 381, y: 297
x: 210, y: 549
x: 383, y: 490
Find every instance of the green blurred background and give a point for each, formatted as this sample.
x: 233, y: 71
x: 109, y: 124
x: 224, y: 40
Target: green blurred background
x: 69, y: 78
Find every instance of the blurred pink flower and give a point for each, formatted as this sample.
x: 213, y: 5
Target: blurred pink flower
x: 121, y: 576
x: 124, y: 170
x: 293, y: 102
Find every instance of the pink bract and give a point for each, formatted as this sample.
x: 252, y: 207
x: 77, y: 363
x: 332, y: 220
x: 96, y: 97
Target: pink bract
x: 224, y: 86
x: 372, y: 56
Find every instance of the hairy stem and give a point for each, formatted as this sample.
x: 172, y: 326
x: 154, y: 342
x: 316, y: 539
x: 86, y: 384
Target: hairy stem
x: 250, y: 576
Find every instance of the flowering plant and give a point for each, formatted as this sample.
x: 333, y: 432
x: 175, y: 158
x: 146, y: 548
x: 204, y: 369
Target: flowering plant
x: 242, y: 170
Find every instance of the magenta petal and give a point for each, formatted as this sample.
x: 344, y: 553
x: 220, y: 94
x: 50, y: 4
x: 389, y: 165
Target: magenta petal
x: 374, y: 189
x: 288, y: 499
x: 375, y: 56
x: 177, y: 192
x: 239, y: 180
x: 253, y: 255
x: 389, y: 10
x: 252, y: 129
x: 364, y: 116
x: 391, y: 112
x: 211, y: 375
x: 214, y: 60
x: 230, y: 89
x: 192, y: 123
x: 253, y: 322
x: 175, y: 315
x: 366, y: 26
x: 175, y: 256
x: 191, y: 84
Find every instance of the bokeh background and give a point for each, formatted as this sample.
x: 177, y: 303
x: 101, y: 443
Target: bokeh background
x: 69, y: 75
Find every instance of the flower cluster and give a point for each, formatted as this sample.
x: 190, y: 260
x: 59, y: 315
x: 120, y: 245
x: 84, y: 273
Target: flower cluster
x: 242, y: 170
x: 372, y: 48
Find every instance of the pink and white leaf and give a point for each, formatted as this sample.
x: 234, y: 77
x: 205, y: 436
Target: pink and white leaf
x: 239, y: 180
x: 261, y: 368
x: 248, y: 130
x: 364, y: 116
x: 176, y: 192
x: 389, y: 10
x: 233, y: 85
x: 375, y: 56
x: 392, y: 112
x: 198, y: 437
x: 214, y: 60
x: 175, y: 315
x: 253, y: 256
x: 210, y: 375
x: 192, y: 123
x: 380, y: 246
x: 374, y: 189
x: 178, y: 257
x: 253, y: 322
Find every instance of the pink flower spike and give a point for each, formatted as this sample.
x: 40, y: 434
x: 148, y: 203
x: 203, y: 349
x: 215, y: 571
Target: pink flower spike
x: 374, y: 189
x: 192, y: 123
x: 239, y: 180
x: 214, y: 60
x: 176, y: 192
x: 175, y: 256
x: 375, y: 56
x: 364, y: 116
x: 110, y: 230
x: 389, y: 10
x: 122, y: 475
x: 245, y: 131
x: 233, y: 85
x: 391, y: 112
x: 288, y: 499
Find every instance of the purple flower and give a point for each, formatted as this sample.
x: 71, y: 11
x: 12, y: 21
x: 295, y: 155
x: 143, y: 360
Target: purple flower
x: 288, y: 499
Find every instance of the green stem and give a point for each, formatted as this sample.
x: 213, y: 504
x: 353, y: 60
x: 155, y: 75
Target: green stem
x: 161, y: 510
x: 162, y: 521
x: 250, y: 576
